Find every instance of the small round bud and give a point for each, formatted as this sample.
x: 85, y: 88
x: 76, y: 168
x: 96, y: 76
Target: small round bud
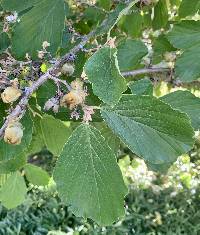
x: 67, y: 69
x: 13, y: 133
x: 11, y: 94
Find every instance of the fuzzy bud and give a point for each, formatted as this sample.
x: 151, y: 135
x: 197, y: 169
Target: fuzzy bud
x: 13, y: 133
x: 67, y: 69
x: 76, y: 96
x: 11, y: 94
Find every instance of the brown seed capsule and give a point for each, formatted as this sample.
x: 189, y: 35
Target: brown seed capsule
x: 11, y: 94
x: 13, y: 133
x: 67, y: 69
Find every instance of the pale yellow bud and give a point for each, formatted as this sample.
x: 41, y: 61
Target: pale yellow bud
x: 11, y: 94
x: 13, y: 133
x: 67, y: 69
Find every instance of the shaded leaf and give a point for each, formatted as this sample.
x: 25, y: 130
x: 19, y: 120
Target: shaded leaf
x: 132, y: 24
x: 160, y: 15
x: 55, y: 134
x: 161, y: 45
x: 109, y: 21
x: 36, y: 175
x: 129, y: 54
x: 141, y: 87
x: 4, y: 41
x: 188, y: 7
x: 106, y: 4
x: 13, y: 164
x: 114, y: 17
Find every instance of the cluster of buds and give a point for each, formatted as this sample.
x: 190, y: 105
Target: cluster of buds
x: 76, y: 96
x: 13, y: 133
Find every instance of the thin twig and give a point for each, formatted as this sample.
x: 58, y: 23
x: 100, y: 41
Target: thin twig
x: 145, y: 71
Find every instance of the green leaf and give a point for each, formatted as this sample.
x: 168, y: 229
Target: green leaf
x: 106, y: 4
x: 185, y: 34
x: 111, y: 139
x: 88, y: 177
x: 186, y: 102
x: 4, y: 41
x: 16, y: 5
x: 141, y: 87
x: 55, y: 134
x: 45, y: 92
x: 136, y: 20
x: 109, y: 21
x: 150, y: 128
x: 103, y: 72
x: 161, y: 45
x: 13, y: 164
x: 13, y: 192
x: 114, y: 17
x: 160, y: 15
x: 44, y: 22
x: 3, y: 178
x: 188, y: 7
x: 129, y: 54
x: 36, y: 175
x: 187, y: 66
x: 162, y: 168
x: 37, y: 142
x: 8, y: 151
